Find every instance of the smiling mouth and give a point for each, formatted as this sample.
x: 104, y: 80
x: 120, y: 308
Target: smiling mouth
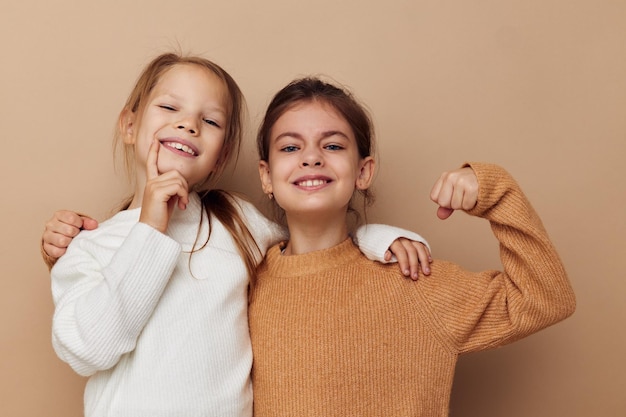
x: 180, y: 147
x: 311, y: 183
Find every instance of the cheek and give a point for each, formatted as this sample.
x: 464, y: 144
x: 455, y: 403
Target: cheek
x: 218, y: 153
x: 141, y: 150
x: 280, y: 171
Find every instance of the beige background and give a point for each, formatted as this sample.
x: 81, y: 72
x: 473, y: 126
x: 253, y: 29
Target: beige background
x: 538, y: 86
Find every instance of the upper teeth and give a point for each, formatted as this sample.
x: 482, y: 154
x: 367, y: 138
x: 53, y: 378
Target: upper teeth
x: 311, y: 183
x: 180, y: 147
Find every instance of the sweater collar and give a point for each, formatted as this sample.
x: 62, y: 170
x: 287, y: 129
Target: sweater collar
x: 184, y: 221
x: 310, y: 263
x: 183, y: 225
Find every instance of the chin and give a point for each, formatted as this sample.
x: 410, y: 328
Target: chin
x: 167, y: 166
x: 315, y: 210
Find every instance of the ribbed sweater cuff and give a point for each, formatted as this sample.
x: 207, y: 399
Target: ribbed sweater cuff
x: 374, y: 240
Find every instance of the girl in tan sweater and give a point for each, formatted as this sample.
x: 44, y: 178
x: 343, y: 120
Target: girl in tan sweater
x: 335, y: 334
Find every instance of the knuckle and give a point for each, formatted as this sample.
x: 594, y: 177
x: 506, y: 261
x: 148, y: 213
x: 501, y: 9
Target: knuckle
x: 69, y: 230
x: 53, y: 251
x: 63, y: 241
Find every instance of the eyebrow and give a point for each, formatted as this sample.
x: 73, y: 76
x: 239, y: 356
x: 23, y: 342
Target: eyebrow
x: 324, y: 135
x: 214, y: 108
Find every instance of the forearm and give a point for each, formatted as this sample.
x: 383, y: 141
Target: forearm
x: 529, y: 258
x: 100, y: 311
x: 265, y: 232
x: 375, y: 239
x: 475, y: 311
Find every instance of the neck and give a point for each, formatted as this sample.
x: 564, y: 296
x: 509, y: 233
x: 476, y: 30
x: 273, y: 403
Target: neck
x: 139, y: 186
x: 137, y: 197
x: 308, y: 234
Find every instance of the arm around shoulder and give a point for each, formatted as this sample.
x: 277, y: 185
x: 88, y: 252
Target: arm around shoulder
x: 375, y: 239
x: 104, y: 294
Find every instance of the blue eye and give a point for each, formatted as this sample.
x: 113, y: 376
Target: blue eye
x: 290, y: 148
x: 333, y: 147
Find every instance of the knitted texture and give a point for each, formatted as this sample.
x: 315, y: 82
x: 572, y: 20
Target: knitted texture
x: 158, y: 333
x: 334, y: 334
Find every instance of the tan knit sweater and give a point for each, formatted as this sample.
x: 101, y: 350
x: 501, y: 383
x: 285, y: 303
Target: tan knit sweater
x: 334, y: 334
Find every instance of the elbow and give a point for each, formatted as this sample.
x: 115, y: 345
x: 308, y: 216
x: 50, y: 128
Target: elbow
x: 84, y: 363
x: 561, y: 313
x: 559, y: 309
x: 569, y: 305
x: 85, y: 367
x: 565, y: 302
x: 81, y: 367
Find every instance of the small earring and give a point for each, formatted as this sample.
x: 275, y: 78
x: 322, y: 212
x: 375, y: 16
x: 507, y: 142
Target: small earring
x: 270, y: 195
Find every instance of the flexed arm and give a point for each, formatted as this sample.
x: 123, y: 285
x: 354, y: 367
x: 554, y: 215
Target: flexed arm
x: 478, y: 310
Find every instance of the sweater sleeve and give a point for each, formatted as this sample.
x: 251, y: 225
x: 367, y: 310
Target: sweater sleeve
x: 265, y: 232
x: 100, y: 311
x: 373, y: 240
x: 475, y: 311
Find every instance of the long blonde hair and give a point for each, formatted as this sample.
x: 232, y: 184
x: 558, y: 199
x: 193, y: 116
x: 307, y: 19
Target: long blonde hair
x: 220, y: 203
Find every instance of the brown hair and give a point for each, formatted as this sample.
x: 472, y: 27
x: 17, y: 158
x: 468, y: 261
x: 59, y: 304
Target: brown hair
x: 310, y: 89
x: 217, y: 202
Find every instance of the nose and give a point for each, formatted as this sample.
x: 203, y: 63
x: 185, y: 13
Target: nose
x: 306, y: 164
x: 311, y: 158
x: 187, y: 124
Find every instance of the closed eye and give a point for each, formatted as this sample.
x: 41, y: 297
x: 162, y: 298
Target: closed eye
x: 167, y: 107
x: 211, y: 122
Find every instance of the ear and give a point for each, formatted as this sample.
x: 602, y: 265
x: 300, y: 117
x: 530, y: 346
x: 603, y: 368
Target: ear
x: 264, y: 174
x: 126, y: 126
x: 366, y: 173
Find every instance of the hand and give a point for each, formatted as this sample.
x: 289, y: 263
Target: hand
x: 455, y: 190
x: 61, y: 229
x: 162, y: 193
x: 410, y: 254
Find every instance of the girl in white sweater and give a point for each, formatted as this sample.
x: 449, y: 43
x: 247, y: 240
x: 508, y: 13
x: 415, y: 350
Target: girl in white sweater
x: 152, y: 305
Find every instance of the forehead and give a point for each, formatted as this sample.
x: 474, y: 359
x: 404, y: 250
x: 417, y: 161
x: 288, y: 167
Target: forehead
x: 312, y: 116
x: 192, y: 81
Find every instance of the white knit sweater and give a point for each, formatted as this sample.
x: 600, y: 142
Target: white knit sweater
x: 155, y: 337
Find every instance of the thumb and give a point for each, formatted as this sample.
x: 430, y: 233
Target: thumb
x: 444, y: 212
x: 89, y: 223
